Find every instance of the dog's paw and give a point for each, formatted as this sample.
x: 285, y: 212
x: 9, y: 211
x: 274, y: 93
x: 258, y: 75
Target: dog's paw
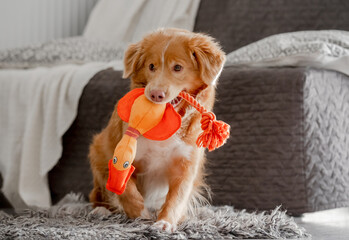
x: 145, y: 214
x: 165, y: 226
x: 100, y: 212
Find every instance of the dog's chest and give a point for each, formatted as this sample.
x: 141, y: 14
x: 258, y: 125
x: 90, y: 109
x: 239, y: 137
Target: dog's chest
x: 156, y: 155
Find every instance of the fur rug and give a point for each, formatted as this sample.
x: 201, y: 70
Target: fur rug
x: 72, y: 219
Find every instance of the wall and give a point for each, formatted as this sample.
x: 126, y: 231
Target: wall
x: 24, y: 22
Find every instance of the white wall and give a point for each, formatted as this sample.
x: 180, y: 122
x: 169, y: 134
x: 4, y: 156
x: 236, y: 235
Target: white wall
x: 30, y: 21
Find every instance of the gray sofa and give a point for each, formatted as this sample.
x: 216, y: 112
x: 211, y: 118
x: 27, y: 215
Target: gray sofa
x: 289, y: 141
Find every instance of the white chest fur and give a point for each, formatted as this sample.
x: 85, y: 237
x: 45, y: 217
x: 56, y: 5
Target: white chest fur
x: 156, y: 156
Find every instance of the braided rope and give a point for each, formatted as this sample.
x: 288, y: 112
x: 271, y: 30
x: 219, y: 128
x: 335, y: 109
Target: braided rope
x: 186, y: 96
x: 215, y: 133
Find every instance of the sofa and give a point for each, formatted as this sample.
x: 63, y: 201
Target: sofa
x: 289, y: 142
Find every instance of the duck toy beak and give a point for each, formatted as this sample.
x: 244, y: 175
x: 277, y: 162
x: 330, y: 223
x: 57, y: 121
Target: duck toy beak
x: 118, y: 178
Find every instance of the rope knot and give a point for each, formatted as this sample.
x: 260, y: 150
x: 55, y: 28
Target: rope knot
x: 215, y: 133
x: 207, y: 119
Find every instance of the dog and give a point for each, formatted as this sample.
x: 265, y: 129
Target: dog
x: 169, y: 179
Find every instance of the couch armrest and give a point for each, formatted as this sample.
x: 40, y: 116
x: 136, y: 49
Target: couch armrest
x: 280, y: 142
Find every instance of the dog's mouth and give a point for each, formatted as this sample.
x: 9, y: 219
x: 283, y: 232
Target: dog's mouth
x: 175, y: 102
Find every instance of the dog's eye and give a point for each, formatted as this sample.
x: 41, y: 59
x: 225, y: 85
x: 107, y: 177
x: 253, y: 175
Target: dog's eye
x: 151, y: 67
x: 115, y: 160
x: 177, y: 68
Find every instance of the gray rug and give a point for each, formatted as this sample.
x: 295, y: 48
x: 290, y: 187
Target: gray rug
x: 72, y: 219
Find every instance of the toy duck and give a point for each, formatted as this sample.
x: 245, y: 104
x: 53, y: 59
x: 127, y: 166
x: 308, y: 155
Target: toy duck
x: 156, y: 122
x: 153, y: 121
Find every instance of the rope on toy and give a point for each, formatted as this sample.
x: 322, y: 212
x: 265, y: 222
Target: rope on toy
x: 215, y: 133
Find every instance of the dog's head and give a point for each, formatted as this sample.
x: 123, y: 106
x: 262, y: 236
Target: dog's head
x: 168, y: 61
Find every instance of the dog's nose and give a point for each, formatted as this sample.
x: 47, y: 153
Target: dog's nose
x: 157, y: 95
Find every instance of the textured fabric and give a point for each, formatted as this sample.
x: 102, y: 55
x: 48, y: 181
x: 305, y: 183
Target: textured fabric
x: 330, y: 43
x: 322, y: 49
x: 123, y: 22
x: 289, y: 139
x: 261, y: 164
x: 240, y: 22
x: 326, y: 139
x: 72, y: 218
x: 76, y: 50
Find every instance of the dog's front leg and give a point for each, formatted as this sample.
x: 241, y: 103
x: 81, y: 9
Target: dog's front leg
x: 132, y: 201
x: 182, y: 174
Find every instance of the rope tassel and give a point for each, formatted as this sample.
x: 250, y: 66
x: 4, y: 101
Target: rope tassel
x: 215, y: 133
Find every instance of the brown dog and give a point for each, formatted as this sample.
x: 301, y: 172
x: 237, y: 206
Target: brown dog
x: 169, y: 176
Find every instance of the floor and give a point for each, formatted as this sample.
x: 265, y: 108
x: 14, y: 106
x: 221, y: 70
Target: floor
x: 327, y: 225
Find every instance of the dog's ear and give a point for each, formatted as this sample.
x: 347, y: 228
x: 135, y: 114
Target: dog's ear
x: 132, y: 59
x: 207, y: 56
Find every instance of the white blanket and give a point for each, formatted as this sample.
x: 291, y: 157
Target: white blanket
x: 37, y: 107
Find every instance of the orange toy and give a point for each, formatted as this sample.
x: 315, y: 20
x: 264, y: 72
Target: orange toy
x: 155, y: 122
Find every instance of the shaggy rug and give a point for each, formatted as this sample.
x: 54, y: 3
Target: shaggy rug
x: 72, y: 219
